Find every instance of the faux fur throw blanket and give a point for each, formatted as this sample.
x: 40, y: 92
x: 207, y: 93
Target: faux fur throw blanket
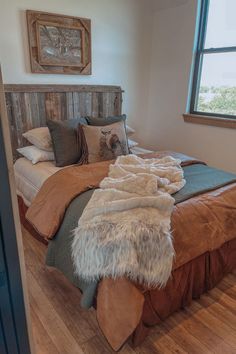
x: 125, y: 227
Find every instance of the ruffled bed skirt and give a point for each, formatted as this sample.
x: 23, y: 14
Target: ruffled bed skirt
x: 188, y: 282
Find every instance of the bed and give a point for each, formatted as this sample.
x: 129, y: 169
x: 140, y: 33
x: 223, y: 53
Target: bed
x: 204, y: 253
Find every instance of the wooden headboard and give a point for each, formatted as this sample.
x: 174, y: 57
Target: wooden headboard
x: 29, y: 106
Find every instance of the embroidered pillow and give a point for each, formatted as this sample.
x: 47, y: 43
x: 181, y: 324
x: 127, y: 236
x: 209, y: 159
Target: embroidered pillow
x: 105, y: 142
x: 40, y: 137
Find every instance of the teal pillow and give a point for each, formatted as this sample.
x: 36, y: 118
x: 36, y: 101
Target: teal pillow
x: 105, y: 121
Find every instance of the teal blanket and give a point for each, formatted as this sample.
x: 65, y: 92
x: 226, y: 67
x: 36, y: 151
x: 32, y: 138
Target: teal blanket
x: 199, y: 179
x: 202, y: 179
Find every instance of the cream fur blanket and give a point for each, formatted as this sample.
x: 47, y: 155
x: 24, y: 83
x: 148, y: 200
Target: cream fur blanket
x: 125, y: 228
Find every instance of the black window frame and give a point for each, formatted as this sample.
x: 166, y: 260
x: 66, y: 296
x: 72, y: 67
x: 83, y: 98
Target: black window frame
x: 199, y: 52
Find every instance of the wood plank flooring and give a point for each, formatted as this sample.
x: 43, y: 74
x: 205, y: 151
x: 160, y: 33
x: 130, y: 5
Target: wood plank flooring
x: 61, y: 326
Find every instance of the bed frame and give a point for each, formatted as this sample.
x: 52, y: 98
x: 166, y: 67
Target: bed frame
x: 29, y: 106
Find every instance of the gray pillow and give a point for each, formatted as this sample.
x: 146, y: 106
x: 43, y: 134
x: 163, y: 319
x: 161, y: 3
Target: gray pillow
x: 105, y: 121
x: 65, y: 142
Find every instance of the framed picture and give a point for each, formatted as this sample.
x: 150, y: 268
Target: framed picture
x: 59, y: 44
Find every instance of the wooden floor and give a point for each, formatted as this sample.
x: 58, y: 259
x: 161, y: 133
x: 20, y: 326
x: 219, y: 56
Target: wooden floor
x: 61, y: 326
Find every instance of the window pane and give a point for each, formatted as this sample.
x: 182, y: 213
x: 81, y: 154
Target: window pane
x: 217, y: 93
x: 221, y: 27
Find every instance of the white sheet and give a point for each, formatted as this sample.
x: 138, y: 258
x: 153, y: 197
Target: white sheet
x: 139, y: 150
x: 30, y: 178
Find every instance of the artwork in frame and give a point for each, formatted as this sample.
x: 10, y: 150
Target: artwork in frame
x: 59, y: 44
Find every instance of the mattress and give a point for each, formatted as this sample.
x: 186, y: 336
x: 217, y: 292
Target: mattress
x: 30, y: 178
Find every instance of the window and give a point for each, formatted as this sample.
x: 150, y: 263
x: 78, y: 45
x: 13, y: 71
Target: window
x: 214, y: 77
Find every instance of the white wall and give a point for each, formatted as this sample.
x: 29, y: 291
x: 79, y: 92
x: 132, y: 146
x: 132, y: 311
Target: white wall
x: 119, y: 45
x: 172, y: 42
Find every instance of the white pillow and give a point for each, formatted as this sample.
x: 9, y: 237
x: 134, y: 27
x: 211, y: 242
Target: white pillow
x: 40, y: 137
x: 132, y: 143
x: 35, y: 155
x: 129, y: 131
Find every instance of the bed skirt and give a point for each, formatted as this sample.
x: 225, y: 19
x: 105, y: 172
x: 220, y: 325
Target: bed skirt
x: 188, y: 282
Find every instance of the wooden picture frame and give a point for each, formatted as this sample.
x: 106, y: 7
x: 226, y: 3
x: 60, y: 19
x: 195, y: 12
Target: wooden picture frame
x: 59, y: 44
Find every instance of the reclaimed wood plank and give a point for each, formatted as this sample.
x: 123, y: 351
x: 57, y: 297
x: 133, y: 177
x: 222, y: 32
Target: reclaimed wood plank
x: 76, y: 105
x: 83, y: 100
x: 60, y: 88
x: 94, y: 105
x: 70, y: 105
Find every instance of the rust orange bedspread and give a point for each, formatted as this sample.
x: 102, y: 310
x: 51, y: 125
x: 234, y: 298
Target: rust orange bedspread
x: 204, y: 234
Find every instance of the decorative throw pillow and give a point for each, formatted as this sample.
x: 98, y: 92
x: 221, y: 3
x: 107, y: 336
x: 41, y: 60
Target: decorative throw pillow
x: 106, y: 121
x: 40, y: 137
x: 65, y: 140
x: 35, y: 155
x: 105, y: 142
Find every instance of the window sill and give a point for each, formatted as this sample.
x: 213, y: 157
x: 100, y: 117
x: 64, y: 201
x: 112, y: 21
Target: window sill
x: 207, y: 120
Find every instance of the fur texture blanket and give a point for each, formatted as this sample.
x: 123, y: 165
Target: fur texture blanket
x: 125, y: 227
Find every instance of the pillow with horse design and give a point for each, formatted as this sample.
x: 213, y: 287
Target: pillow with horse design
x: 105, y: 142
